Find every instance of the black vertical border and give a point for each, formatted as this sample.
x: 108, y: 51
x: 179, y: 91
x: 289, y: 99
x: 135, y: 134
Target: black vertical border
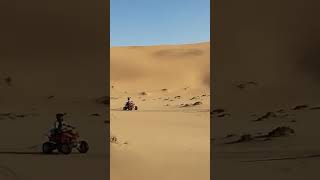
x: 212, y: 46
x: 108, y: 70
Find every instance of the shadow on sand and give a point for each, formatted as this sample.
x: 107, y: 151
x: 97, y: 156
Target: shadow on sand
x: 286, y: 158
x: 32, y: 153
x: 24, y: 153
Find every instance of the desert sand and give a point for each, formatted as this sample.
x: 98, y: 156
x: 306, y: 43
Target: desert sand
x: 29, y: 101
x: 266, y: 75
x: 168, y: 137
x: 56, y: 57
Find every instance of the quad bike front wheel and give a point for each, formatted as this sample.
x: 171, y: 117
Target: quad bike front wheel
x: 83, y: 147
x: 48, y: 147
x: 135, y: 107
x: 64, y: 148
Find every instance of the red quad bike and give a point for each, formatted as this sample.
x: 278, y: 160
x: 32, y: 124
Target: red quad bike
x: 64, y: 142
x: 129, y: 106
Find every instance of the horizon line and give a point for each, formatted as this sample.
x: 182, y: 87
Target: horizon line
x: 168, y: 44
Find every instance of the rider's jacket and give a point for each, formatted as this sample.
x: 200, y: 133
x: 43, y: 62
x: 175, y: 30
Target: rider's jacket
x: 60, y: 125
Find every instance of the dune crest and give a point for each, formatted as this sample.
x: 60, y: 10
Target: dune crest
x: 161, y: 66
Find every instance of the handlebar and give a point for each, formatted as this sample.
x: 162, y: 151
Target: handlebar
x: 69, y: 126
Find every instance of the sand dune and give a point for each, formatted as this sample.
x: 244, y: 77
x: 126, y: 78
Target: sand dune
x: 277, y: 51
x: 29, y: 101
x: 163, y: 139
x: 154, y: 66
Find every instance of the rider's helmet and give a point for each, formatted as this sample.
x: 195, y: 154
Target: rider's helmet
x: 59, y: 116
x: 128, y: 98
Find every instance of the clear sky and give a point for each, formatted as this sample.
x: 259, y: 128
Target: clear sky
x: 154, y: 22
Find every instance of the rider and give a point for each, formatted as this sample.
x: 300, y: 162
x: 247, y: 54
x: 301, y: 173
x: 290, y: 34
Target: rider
x: 129, y: 101
x: 59, y: 125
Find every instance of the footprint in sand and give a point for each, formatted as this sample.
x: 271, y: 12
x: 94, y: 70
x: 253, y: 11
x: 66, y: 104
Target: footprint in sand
x: 243, y: 138
x: 164, y: 90
x: 315, y: 108
x: 246, y: 84
x: 217, y: 111
x: 196, y: 97
x: 144, y: 93
x: 12, y: 115
x: 197, y: 103
x: 50, y: 97
x: 192, y: 104
x: 223, y: 115
x: 281, y: 131
x: 300, y: 107
x: 95, y: 114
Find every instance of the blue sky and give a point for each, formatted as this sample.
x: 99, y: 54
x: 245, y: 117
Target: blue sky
x: 154, y: 22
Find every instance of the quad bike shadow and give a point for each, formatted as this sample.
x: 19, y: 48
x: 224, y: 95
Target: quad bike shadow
x: 65, y: 142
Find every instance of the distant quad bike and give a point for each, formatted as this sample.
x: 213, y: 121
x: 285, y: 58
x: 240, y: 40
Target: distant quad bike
x: 64, y: 142
x: 129, y: 106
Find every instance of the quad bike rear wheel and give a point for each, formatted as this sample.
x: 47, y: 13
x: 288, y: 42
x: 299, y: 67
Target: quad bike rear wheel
x: 64, y: 148
x: 48, y: 147
x: 83, y: 147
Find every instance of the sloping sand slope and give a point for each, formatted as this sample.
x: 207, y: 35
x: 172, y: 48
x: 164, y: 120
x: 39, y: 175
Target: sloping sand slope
x: 160, y: 66
x: 266, y: 75
x: 165, y: 139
